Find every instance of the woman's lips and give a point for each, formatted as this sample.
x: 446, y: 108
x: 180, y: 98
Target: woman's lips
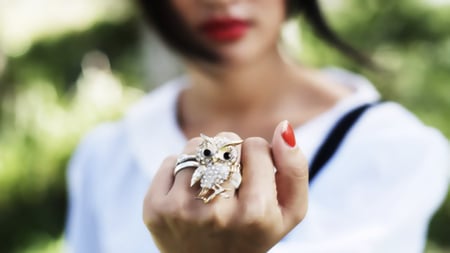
x: 224, y: 29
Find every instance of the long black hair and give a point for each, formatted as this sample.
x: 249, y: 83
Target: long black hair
x: 169, y: 25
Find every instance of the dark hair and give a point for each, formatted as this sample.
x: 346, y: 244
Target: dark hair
x: 174, y: 32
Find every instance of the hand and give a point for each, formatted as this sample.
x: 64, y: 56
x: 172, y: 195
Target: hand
x: 264, y: 209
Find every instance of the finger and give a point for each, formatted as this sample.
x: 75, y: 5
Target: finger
x: 220, y: 208
x: 258, y: 181
x: 181, y: 197
x: 163, y: 179
x: 224, y: 205
x: 292, y: 173
x: 160, y: 186
x: 182, y: 180
x: 232, y: 138
x: 226, y: 149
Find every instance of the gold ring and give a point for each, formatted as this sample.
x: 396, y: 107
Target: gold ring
x: 218, y: 170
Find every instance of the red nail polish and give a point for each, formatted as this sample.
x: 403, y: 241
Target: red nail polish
x: 288, y: 135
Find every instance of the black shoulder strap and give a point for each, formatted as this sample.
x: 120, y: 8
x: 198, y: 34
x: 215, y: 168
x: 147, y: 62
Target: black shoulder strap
x: 334, y: 139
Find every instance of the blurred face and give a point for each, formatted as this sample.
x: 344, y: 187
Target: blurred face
x: 240, y: 31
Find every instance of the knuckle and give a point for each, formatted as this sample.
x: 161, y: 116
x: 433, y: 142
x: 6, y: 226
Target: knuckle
x: 221, y: 216
x: 229, y: 135
x: 218, y: 221
x: 298, y: 216
x: 299, y: 174
x: 151, y: 203
x: 182, y: 209
x: 170, y: 210
x: 255, y: 213
x: 192, y: 144
x: 195, y: 140
x: 151, y: 220
x: 298, y: 167
x: 301, y: 171
x: 169, y: 161
x: 147, y: 216
x: 152, y: 214
x: 296, y: 219
x: 303, y: 162
x: 186, y: 209
x: 256, y: 143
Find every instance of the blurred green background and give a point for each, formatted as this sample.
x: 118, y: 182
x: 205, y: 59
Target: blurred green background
x: 65, y: 66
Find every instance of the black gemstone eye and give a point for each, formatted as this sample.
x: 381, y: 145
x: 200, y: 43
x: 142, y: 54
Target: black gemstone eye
x: 207, y: 152
x: 227, y: 155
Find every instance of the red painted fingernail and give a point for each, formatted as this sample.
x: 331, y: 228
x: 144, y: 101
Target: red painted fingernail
x: 288, y: 134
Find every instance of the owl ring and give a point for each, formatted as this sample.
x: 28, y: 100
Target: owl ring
x: 217, y: 164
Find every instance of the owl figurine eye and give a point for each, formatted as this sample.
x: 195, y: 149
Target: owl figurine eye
x: 227, y: 156
x: 228, y: 153
x: 216, y: 149
x: 207, y: 152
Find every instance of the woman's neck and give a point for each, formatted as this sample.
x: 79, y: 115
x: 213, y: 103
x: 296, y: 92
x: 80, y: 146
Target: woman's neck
x: 251, y: 100
x: 238, y: 89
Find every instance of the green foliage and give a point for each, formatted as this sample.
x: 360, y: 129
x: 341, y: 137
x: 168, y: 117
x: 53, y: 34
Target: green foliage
x: 36, y: 143
x: 50, y: 101
x: 409, y: 40
x: 44, y: 244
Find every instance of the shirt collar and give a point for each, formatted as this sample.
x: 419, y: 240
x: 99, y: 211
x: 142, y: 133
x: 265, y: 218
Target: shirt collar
x: 152, y: 128
x: 153, y: 131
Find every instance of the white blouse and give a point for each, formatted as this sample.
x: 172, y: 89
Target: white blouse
x: 376, y: 194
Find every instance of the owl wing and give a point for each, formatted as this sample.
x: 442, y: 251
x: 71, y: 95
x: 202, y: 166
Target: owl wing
x: 198, y: 174
x: 236, y: 179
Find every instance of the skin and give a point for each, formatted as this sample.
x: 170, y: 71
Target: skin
x: 266, y: 207
x: 248, y: 94
x: 262, y: 87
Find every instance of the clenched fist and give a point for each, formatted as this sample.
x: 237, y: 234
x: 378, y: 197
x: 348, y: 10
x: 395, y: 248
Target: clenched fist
x: 252, y: 220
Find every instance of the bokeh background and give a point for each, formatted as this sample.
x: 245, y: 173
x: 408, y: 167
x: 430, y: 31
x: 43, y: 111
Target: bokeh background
x: 67, y: 65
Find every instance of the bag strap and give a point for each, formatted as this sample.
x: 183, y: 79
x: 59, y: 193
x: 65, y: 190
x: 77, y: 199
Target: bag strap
x: 334, y: 139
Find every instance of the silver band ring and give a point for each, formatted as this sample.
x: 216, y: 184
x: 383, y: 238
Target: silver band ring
x: 185, y: 165
x: 184, y: 158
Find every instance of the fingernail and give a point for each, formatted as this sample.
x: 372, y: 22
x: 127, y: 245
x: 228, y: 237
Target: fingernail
x: 288, y: 134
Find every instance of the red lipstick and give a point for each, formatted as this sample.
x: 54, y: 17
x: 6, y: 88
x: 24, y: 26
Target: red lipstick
x: 224, y: 29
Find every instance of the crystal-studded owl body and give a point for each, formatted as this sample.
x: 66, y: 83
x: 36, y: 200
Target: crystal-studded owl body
x: 219, y: 165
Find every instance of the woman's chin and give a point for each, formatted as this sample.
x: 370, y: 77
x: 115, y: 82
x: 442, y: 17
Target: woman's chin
x: 239, y: 58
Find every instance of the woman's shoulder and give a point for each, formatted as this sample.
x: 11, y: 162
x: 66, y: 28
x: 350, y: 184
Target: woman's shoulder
x: 385, y: 121
x: 392, y: 140
x: 141, y: 114
x: 393, y: 123
x: 158, y: 100
x: 98, y: 144
x: 92, y: 157
x: 128, y: 137
x: 392, y: 168
x: 386, y: 150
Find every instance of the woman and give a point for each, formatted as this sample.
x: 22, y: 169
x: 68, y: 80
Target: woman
x: 376, y: 190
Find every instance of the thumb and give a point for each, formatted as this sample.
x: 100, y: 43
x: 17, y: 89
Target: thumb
x: 292, y: 174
